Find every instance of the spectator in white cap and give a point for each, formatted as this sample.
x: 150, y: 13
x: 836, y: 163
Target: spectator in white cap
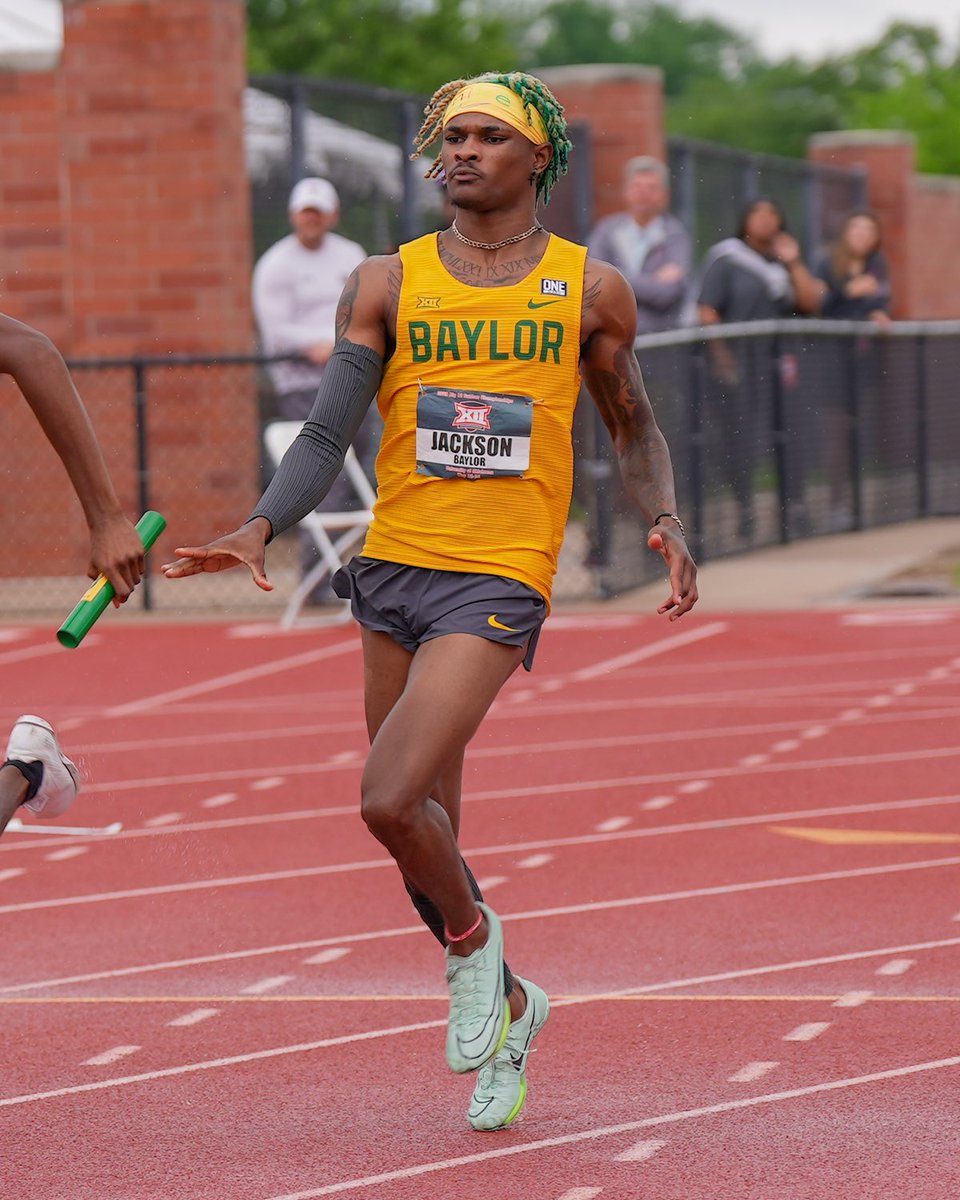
x: 296, y: 286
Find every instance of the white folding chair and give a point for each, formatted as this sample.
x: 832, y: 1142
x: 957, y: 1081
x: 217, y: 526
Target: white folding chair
x: 352, y: 526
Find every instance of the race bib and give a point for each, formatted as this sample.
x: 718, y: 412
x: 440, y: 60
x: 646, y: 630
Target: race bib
x: 472, y: 435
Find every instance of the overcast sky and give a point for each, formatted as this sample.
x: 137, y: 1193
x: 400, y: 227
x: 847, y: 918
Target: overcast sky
x: 813, y: 28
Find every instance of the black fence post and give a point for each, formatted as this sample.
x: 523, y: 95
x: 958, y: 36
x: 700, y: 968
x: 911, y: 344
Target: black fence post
x: 923, y: 447
x: 855, y: 435
x: 298, y: 140
x: 143, y: 461
x: 696, y: 352
x: 409, y: 118
x: 781, y: 450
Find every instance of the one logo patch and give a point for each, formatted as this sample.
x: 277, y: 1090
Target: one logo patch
x: 428, y: 302
x: 473, y: 417
x: 553, y: 287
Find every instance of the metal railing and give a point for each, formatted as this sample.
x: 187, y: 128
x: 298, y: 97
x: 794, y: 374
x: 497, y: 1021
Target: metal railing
x: 778, y: 431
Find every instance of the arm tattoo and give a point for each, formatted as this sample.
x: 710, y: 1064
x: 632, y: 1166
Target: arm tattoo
x: 347, y: 301
x: 644, y: 458
x: 394, y: 281
x: 591, y: 295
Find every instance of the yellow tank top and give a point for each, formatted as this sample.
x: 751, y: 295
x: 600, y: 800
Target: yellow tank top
x: 475, y: 468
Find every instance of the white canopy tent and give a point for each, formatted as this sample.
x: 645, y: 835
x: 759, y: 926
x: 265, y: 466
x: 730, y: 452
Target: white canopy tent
x: 31, y: 34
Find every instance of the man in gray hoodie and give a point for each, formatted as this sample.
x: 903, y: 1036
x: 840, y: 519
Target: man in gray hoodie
x: 648, y: 245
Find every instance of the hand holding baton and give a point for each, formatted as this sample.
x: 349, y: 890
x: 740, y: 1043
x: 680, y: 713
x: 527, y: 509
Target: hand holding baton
x: 96, y: 598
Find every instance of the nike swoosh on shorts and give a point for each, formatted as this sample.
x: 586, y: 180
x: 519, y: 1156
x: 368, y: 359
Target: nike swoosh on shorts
x: 494, y: 623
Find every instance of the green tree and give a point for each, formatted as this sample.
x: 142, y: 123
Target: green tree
x: 410, y: 45
x: 653, y: 33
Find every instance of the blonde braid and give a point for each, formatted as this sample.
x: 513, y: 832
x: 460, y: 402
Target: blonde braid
x: 532, y: 92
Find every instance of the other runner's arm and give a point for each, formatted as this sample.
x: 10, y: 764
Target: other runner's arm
x: 314, y: 460
x: 41, y: 374
x: 612, y: 375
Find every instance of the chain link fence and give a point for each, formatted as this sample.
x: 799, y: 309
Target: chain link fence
x: 778, y: 431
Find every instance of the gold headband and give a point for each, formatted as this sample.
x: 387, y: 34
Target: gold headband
x: 500, y: 102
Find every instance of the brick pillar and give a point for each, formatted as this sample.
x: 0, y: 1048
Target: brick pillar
x: 152, y: 96
x: 33, y: 274
x: 623, y: 104
x: 125, y: 229
x: 889, y: 158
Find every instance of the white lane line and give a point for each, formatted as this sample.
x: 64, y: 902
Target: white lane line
x: 11, y: 873
x: 65, y: 853
x: 219, y: 800
x: 270, y: 984
x: 642, y: 1151
x: 897, y: 966
x: 657, y: 802
x: 275, y: 667
x: 881, y: 806
x: 898, y: 616
x: 581, y: 1193
x: 194, y: 1018
x: 353, y: 1185
x: 852, y: 714
x: 569, y: 787
x: 851, y: 999
x: 408, y: 930
x: 879, y: 701
x: 559, y: 911
x: 754, y: 760
x: 815, y: 731
x: 268, y: 784
x: 12, y: 635
x: 694, y: 786
x: 109, y: 1056
x: 665, y: 645
x: 612, y: 824
x: 537, y: 860
x: 806, y: 1033
x: 327, y: 956
x: 786, y: 746
x: 938, y: 673
x: 162, y: 819
x: 488, y: 882
x: 730, y: 889
x: 345, y: 756
x: 752, y: 1071
x: 41, y: 651
x: 904, y: 689
x: 212, y: 1064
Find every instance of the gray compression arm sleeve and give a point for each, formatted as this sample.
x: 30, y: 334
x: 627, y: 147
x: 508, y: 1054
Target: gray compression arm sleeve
x: 306, y: 473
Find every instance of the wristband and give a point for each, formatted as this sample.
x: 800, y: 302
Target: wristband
x: 673, y: 517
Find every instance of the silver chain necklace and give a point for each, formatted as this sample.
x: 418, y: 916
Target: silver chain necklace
x: 495, y: 245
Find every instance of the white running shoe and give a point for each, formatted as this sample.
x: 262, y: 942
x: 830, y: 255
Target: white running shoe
x: 502, y: 1087
x: 32, y: 739
x: 479, y: 1011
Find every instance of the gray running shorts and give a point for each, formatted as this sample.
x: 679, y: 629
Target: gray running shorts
x: 415, y: 604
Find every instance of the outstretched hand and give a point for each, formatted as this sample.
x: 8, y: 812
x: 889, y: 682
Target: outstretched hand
x: 670, y: 542
x: 245, y: 546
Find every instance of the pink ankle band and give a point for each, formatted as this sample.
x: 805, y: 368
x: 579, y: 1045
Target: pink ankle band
x: 462, y: 937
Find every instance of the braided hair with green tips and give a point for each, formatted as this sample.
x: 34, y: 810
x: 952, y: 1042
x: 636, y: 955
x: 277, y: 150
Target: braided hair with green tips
x: 532, y: 92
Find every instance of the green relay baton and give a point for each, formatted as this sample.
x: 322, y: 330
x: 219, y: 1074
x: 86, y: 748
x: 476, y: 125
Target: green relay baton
x: 99, y: 594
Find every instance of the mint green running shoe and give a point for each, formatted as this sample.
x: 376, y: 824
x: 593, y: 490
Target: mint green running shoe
x: 479, y: 1011
x: 502, y: 1087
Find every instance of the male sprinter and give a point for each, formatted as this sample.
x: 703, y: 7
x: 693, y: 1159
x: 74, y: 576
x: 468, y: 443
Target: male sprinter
x: 475, y: 339
x: 34, y: 771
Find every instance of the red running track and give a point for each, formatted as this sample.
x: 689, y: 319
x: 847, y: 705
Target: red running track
x: 728, y: 849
